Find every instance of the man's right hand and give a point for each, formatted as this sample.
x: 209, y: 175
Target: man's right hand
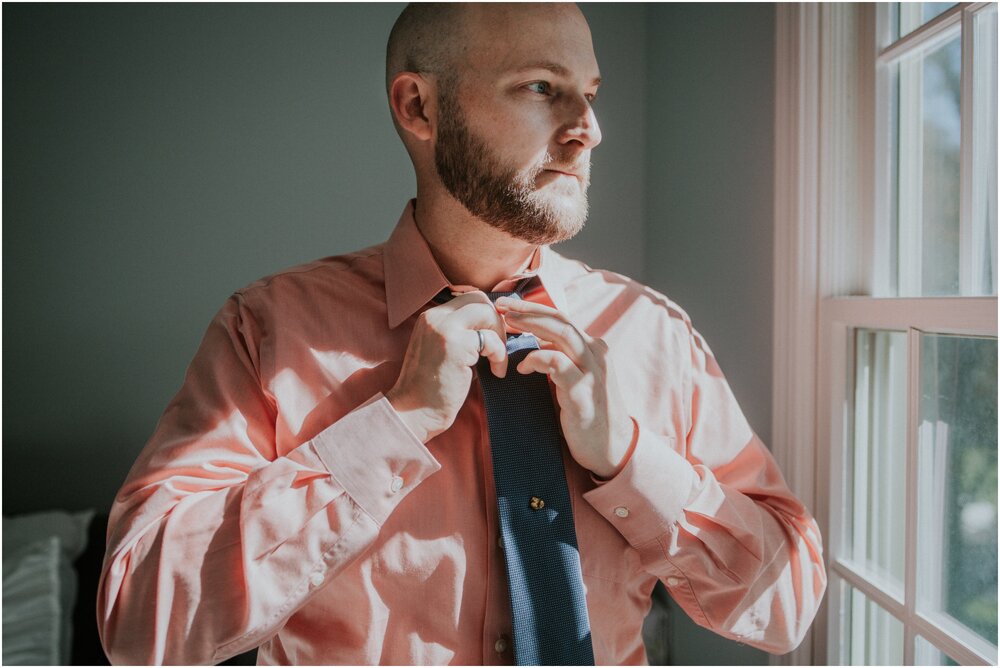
x: 437, y: 367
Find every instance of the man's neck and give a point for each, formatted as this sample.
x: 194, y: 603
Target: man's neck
x: 469, y: 251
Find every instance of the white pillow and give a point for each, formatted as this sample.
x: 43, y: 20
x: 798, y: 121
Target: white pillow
x: 70, y: 528
x: 39, y: 585
x: 32, y: 610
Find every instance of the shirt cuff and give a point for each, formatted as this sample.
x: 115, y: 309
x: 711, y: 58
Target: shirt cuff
x: 648, y: 496
x: 375, y: 457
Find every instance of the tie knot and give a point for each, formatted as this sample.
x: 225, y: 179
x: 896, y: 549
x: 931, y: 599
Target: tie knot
x: 446, y: 296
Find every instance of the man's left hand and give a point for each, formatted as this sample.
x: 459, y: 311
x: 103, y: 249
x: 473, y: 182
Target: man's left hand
x: 596, y: 424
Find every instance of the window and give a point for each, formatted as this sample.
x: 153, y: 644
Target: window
x: 912, y: 531
x: 886, y: 273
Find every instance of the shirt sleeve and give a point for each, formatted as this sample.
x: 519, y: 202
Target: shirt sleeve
x: 713, y: 518
x: 213, y: 540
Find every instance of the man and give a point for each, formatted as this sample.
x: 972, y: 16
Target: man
x: 323, y: 484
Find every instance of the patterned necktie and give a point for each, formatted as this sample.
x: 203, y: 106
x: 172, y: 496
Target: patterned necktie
x: 550, y: 623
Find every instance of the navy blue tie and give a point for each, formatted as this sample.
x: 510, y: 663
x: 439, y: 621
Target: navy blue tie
x: 549, y: 607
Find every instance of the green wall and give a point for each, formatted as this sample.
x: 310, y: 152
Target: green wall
x: 709, y: 193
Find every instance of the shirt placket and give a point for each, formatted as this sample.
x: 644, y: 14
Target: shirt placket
x: 496, y: 641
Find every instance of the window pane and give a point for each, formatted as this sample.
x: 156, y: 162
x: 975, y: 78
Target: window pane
x: 983, y: 278
x: 957, y: 481
x: 928, y: 137
x: 878, y: 458
x: 873, y: 636
x: 928, y: 655
x: 942, y: 231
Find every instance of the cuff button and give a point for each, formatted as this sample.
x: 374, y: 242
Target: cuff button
x: 397, y: 484
x: 621, y: 511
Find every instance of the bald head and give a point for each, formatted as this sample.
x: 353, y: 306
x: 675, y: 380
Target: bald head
x: 435, y: 37
x: 426, y: 38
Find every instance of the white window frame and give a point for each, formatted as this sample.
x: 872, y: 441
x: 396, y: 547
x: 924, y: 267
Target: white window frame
x: 828, y: 172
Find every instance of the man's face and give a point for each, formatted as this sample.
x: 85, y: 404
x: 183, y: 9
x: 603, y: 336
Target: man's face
x: 514, y: 135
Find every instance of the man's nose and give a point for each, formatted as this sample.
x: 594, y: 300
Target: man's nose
x: 581, y: 125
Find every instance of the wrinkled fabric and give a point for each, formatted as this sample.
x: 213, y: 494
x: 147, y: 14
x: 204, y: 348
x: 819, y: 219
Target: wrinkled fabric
x: 282, y: 503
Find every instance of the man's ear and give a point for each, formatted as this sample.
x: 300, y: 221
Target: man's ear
x: 411, y: 99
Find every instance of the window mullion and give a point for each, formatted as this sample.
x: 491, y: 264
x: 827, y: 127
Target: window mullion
x: 862, y: 449
x: 924, y: 37
x: 979, y: 95
x: 873, y: 588
x: 910, y: 563
x: 838, y: 421
x: 911, y: 161
x: 967, y: 652
x: 968, y: 316
x: 885, y: 275
x: 969, y: 268
x: 984, y: 154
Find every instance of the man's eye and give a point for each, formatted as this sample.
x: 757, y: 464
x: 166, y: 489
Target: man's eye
x: 540, y: 87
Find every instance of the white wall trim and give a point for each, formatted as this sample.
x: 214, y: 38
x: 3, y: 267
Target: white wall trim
x: 796, y: 261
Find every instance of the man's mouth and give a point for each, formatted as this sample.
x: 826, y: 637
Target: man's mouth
x: 564, y: 172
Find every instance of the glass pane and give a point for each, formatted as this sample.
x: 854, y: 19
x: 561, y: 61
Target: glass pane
x: 957, y: 481
x: 927, y: 141
x: 908, y: 16
x: 873, y: 636
x: 983, y: 272
x: 878, y: 457
x: 937, y: 246
x: 928, y: 655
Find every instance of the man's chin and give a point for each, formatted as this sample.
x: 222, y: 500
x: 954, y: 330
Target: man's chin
x: 570, y: 207
x: 560, y: 218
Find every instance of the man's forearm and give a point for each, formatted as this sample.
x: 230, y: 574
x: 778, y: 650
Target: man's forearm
x: 241, y: 555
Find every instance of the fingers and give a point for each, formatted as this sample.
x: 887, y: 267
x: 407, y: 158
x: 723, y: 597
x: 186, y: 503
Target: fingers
x: 523, y: 306
x: 494, y: 350
x: 554, y: 364
x: 475, y: 311
x: 472, y: 311
x: 461, y: 299
x: 549, y: 324
x: 479, y: 316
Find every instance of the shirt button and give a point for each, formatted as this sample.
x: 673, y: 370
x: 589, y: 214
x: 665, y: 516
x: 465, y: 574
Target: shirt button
x: 500, y: 542
x: 621, y: 511
x: 673, y: 582
x: 316, y: 579
x: 500, y: 646
x: 397, y: 484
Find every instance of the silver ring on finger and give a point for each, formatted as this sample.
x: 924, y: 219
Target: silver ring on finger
x: 482, y: 341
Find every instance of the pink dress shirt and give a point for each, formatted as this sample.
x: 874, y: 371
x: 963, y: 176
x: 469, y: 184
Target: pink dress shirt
x: 282, y: 503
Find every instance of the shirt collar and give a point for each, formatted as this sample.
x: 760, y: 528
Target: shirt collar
x: 413, y: 277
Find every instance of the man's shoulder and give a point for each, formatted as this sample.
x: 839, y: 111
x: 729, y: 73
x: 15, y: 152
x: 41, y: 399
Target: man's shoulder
x: 348, y: 271
x: 583, y: 282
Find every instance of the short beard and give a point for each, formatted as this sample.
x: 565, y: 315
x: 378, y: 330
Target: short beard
x: 502, y: 197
